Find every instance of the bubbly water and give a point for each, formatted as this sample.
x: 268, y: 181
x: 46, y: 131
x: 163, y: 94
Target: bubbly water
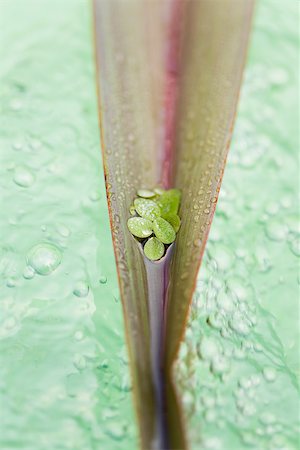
x: 238, y: 367
x: 65, y: 380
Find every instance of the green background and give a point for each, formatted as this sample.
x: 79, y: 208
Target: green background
x: 64, y: 380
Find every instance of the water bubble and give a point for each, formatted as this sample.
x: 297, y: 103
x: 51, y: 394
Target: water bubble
x: 44, y: 258
x: 11, y: 283
x: 209, y: 348
x: 223, y: 257
x: 116, y: 431
x: 10, y: 323
x: 63, y: 230
x: 18, y: 145
x: 294, y: 245
x: 23, y: 176
x: 267, y: 418
x: 94, y: 196
x: 269, y: 374
x: 215, y: 320
x: 81, y: 289
x: 103, y: 279
x: 79, y: 362
x: 225, y: 301
x: 78, y: 335
x: 210, y: 415
x: 238, y: 324
x: 278, y: 76
x: 220, y: 365
x: 276, y: 231
x: 28, y: 273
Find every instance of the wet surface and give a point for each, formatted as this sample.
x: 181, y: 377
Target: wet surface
x: 64, y: 373
x: 238, y: 366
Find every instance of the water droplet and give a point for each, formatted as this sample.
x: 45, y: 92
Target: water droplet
x: 197, y: 242
x: 94, y: 196
x: 78, y: 335
x: 225, y: 301
x: 220, y: 365
x: 116, y: 431
x: 11, y: 283
x: 276, y: 231
x: 103, y: 279
x: 44, y: 258
x: 294, y: 245
x: 79, y: 362
x: 215, y: 320
x: 63, y: 230
x: 237, y: 323
x: 10, y: 323
x: 28, y: 273
x: 208, y: 348
x: 81, y: 289
x: 23, y: 176
x: 269, y: 374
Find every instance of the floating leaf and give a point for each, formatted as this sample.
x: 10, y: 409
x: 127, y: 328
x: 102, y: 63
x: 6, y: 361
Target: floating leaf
x: 174, y: 220
x: 168, y: 76
x: 145, y: 193
x: 169, y: 202
x: 147, y: 208
x: 140, y: 227
x: 154, y: 249
x: 164, y: 231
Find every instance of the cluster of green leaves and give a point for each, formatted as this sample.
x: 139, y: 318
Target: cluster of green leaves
x: 155, y: 220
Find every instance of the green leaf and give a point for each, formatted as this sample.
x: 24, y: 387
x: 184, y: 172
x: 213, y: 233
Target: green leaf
x: 164, y: 231
x: 168, y: 87
x: 145, y: 193
x: 154, y: 249
x: 139, y: 227
x: 169, y: 202
x: 174, y: 220
x: 147, y: 208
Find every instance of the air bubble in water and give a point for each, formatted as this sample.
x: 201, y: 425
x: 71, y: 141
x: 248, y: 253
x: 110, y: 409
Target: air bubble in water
x: 269, y: 374
x: 23, y: 176
x: 28, y: 273
x: 103, y: 279
x: 44, y: 258
x: 81, y: 289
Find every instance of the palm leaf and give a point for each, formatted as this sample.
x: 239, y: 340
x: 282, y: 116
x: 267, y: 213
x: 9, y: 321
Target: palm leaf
x: 169, y: 74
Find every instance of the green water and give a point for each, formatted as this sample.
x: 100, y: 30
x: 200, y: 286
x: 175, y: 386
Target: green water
x: 239, y: 364
x: 64, y: 372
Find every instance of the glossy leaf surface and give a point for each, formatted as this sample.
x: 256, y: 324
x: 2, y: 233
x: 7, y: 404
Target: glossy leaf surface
x: 169, y: 75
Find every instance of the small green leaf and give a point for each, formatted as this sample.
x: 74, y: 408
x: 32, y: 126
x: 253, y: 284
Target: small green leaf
x: 159, y: 191
x: 169, y: 202
x: 154, y: 249
x: 132, y: 210
x: 164, y: 231
x: 145, y: 193
x: 146, y: 208
x: 139, y: 227
x: 174, y: 220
